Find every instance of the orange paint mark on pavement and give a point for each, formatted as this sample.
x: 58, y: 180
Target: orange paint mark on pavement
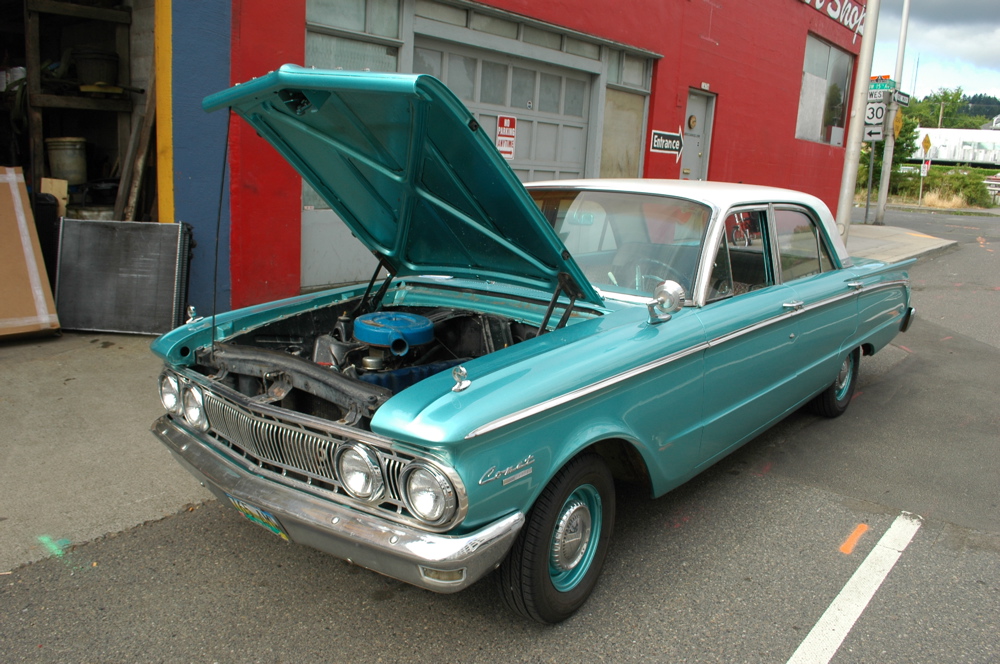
x: 848, y: 546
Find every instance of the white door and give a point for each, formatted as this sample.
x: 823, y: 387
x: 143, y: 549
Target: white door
x: 697, y: 135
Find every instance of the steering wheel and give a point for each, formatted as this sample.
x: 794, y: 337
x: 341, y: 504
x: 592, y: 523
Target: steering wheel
x: 649, y: 270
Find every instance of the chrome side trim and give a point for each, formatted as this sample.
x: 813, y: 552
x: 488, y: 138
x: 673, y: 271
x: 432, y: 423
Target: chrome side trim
x: 713, y: 343
x: 726, y: 338
x: 583, y: 391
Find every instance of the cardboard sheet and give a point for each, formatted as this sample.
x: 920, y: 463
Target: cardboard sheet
x: 26, y: 303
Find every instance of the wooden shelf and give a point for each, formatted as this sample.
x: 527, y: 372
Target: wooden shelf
x: 121, y: 18
x: 123, y: 105
x: 123, y: 15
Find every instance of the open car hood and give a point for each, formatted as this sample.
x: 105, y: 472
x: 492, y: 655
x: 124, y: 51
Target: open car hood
x: 407, y: 167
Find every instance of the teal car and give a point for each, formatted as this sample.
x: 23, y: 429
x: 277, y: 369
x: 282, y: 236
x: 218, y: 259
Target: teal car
x: 518, y: 351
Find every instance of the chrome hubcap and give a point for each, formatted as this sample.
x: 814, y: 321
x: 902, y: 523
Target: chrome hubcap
x: 572, y: 536
x: 845, y: 371
x: 844, y: 377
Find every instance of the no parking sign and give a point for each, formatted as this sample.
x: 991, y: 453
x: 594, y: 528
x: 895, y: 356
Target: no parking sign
x: 506, y: 135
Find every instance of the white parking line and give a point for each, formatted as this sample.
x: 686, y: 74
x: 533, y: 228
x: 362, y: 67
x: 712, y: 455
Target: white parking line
x: 823, y: 640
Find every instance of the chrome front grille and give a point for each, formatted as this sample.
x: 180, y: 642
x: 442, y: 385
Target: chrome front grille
x: 293, y: 450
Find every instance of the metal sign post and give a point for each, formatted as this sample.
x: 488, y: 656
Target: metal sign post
x: 895, y: 119
x: 871, y: 168
x: 862, y: 72
x: 924, y: 166
x: 874, y: 128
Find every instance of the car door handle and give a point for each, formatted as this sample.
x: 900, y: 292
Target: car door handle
x: 796, y: 305
x: 856, y: 285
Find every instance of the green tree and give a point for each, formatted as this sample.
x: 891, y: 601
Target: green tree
x: 938, y: 108
x: 949, y: 108
x: 987, y: 106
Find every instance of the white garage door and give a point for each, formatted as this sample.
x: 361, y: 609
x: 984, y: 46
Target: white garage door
x: 551, y: 104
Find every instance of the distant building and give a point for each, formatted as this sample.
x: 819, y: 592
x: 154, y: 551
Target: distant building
x: 975, y: 147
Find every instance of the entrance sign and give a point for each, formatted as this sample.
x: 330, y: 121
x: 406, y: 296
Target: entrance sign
x: 506, y: 135
x: 667, y: 142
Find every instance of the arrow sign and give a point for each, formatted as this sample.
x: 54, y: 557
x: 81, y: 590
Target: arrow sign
x: 873, y: 133
x: 667, y: 142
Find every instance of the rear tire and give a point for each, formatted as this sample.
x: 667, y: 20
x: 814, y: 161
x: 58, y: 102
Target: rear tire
x: 558, y: 556
x: 834, y: 400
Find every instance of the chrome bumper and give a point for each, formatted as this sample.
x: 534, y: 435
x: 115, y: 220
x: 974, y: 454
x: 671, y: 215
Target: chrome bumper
x: 907, y: 319
x: 408, y: 554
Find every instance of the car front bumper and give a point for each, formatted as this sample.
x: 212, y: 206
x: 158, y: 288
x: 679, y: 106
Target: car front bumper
x: 438, y: 562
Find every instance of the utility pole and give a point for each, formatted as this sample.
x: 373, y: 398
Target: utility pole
x: 852, y: 154
x: 890, y: 140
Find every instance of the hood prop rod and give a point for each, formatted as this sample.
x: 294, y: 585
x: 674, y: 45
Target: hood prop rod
x: 566, y: 285
x: 367, y: 303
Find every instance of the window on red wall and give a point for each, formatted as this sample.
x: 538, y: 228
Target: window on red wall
x: 823, y: 103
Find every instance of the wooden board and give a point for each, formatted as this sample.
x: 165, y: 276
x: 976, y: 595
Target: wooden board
x: 26, y: 303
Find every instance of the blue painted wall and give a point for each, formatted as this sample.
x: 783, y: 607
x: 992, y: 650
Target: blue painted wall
x: 201, y: 64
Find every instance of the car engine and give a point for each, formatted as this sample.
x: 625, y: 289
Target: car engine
x: 342, y: 366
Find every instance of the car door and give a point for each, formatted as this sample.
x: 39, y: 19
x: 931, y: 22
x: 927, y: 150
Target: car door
x: 750, y: 325
x: 825, y: 304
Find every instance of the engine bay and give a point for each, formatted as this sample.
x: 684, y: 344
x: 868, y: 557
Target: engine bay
x: 341, y: 365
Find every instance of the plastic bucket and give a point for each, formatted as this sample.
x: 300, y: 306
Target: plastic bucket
x: 93, y: 66
x: 68, y: 159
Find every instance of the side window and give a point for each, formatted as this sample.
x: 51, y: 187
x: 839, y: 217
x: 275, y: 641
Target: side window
x: 721, y: 284
x: 801, y: 250
x: 741, y: 262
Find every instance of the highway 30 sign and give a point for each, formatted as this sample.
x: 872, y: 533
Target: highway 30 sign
x: 875, y: 113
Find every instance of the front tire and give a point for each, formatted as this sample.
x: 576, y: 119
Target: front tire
x: 834, y: 400
x: 558, y: 555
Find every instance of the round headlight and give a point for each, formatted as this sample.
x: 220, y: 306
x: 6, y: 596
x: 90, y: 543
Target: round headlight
x: 428, y: 494
x: 359, y: 472
x: 170, y: 393
x: 194, y: 408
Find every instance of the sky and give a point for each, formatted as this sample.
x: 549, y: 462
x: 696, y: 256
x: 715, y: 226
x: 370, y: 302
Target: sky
x: 957, y: 41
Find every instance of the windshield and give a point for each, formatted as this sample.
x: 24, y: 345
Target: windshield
x: 625, y: 241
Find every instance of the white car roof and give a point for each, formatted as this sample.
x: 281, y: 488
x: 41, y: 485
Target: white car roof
x: 720, y: 195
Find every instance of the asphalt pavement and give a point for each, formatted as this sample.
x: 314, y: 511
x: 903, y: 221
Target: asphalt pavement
x: 77, y: 457
x: 110, y: 552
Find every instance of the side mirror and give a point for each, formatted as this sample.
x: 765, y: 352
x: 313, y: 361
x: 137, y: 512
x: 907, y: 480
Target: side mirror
x: 668, y: 298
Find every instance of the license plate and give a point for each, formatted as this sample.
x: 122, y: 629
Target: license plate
x: 262, y: 518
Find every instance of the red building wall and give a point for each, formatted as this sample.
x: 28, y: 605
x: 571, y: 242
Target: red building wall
x: 265, y: 191
x: 749, y: 53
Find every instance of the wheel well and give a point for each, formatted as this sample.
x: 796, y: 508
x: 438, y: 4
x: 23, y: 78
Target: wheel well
x: 623, y: 460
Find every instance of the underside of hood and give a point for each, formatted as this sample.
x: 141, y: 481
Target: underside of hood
x: 408, y: 168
